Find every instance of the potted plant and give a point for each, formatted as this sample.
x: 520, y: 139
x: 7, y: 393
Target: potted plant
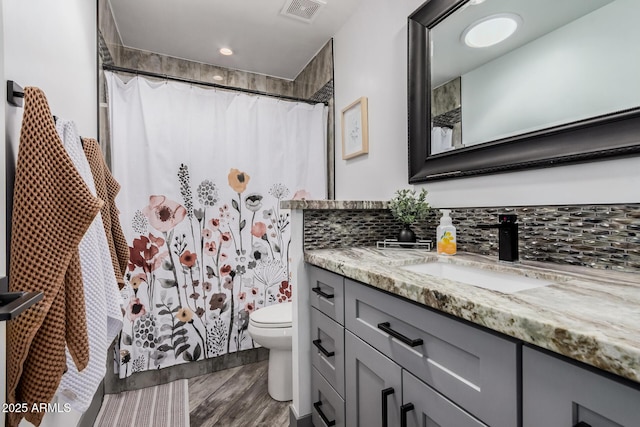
x: 408, y: 207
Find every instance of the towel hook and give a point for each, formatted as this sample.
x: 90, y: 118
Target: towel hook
x: 15, y: 93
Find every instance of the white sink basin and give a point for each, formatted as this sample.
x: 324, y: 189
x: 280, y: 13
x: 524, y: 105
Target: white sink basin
x: 507, y: 283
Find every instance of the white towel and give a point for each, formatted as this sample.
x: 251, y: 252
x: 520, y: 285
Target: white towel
x: 102, y: 297
x: 441, y: 139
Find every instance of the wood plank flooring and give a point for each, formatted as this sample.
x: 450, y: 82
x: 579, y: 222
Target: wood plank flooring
x: 235, y: 397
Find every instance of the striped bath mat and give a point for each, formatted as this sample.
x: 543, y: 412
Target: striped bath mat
x: 165, y: 405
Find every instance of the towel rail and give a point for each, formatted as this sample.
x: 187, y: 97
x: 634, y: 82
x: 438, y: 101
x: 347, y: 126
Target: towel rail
x: 12, y: 304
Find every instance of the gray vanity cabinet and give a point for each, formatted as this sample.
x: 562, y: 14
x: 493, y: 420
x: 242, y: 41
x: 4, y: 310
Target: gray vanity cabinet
x: 423, y: 368
x: 374, y: 386
x: 365, y: 343
x: 561, y: 394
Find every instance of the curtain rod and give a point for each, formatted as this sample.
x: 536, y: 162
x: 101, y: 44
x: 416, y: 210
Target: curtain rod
x: 115, y: 68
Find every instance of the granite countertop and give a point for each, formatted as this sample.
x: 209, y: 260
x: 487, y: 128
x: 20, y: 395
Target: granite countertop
x: 589, y: 315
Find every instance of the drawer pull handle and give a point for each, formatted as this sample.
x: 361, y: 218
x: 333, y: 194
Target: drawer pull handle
x: 386, y: 327
x: 403, y: 413
x: 318, y: 291
x: 582, y: 424
x: 322, y: 349
x: 325, y: 420
x: 385, y: 410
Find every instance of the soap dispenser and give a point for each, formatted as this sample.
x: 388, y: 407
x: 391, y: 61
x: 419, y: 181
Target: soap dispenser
x: 446, y: 234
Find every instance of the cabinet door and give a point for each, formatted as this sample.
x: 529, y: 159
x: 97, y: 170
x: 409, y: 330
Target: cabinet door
x: 560, y: 394
x: 424, y: 407
x: 373, y: 386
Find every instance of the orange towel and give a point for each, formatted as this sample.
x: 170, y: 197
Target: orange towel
x: 107, y: 189
x: 52, y: 209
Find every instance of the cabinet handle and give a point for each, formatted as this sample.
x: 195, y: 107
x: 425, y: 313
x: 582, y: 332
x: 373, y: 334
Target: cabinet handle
x: 385, y: 410
x: 322, y: 349
x: 386, y: 327
x: 325, y: 420
x: 403, y: 413
x: 582, y: 424
x: 318, y: 291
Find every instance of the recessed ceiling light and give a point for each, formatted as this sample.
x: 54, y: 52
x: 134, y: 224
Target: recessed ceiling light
x: 226, y: 51
x: 491, y: 30
x: 218, y: 78
x: 475, y: 2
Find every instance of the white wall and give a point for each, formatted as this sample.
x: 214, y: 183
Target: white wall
x: 578, y: 71
x: 370, y: 60
x: 51, y: 45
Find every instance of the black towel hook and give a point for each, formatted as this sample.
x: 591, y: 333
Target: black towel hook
x: 15, y: 93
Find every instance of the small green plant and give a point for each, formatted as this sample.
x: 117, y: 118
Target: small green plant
x: 409, y: 207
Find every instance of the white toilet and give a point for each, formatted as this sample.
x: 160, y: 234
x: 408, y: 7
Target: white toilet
x: 271, y: 328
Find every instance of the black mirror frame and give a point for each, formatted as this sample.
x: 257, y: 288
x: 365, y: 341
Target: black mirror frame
x: 611, y: 135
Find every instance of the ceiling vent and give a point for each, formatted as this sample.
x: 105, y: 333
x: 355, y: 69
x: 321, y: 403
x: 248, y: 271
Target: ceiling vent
x: 303, y: 10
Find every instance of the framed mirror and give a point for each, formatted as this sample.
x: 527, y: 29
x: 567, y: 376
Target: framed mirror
x: 562, y: 87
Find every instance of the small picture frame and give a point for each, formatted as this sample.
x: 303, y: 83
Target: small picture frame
x: 355, y: 129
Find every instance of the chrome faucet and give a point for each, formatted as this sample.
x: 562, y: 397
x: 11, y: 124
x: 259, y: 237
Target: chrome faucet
x: 507, y: 236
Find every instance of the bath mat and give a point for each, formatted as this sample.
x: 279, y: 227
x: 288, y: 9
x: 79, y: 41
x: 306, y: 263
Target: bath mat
x: 165, y: 405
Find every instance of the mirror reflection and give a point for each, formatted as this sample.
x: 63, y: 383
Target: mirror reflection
x: 501, y: 68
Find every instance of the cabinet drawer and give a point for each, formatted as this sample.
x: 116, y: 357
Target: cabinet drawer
x: 327, y: 293
x: 559, y: 393
x: 328, y: 406
x: 327, y: 337
x: 473, y: 368
x: 430, y: 408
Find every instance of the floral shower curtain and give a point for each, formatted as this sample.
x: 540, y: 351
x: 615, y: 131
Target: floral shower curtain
x: 202, y: 174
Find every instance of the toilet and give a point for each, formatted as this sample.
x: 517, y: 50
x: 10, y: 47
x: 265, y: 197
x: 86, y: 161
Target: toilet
x: 271, y: 328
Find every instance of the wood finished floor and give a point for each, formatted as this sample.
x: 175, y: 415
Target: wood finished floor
x: 235, y: 397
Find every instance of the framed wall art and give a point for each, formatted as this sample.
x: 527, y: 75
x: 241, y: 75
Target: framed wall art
x: 355, y: 129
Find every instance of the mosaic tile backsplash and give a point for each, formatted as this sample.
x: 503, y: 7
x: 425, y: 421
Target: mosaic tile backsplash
x: 598, y: 236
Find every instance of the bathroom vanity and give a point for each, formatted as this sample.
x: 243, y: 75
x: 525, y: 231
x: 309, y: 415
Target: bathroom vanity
x: 395, y: 344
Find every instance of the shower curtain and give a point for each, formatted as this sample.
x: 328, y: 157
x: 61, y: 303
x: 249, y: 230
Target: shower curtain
x: 202, y: 174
